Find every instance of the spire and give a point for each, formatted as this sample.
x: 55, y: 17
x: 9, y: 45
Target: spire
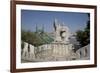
x: 36, y: 28
x: 55, y: 24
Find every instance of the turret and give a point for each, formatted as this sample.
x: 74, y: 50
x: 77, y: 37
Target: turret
x: 55, y: 24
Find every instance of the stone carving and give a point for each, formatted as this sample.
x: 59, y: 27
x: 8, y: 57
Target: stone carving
x: 61, y: 32
x: 59, y: 50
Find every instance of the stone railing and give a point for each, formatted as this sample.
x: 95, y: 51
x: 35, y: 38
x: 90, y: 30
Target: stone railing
x: 84, y: 52
x: 48, y: 52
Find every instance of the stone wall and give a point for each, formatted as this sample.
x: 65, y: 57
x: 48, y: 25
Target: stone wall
x: 28, y: 52
x: 48, y: 52
x: 84, y: 52
x: 54, y: 52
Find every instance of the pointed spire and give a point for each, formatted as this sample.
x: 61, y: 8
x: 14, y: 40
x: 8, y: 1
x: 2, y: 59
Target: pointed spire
x: 55, y: 24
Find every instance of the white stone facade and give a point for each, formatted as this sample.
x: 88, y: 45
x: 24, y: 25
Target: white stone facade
x: 59, y: 49
x: 47, y: 52
x: 61, y: 32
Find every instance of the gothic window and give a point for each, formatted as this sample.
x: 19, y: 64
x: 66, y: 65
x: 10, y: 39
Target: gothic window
x: 28, y: 48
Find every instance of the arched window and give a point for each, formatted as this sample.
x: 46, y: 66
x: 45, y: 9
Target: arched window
x: 28, y: 48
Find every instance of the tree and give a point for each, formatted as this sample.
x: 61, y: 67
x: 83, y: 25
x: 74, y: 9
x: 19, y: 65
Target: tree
x: 35, y: 38
x: 84, y: 36
x: 27, y: 36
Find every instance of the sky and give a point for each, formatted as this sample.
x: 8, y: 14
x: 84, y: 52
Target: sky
x: 73, y: 20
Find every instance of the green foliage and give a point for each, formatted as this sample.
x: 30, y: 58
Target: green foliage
x: 35, y: 38
x: 84, y: 36
x: 27, y: 36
